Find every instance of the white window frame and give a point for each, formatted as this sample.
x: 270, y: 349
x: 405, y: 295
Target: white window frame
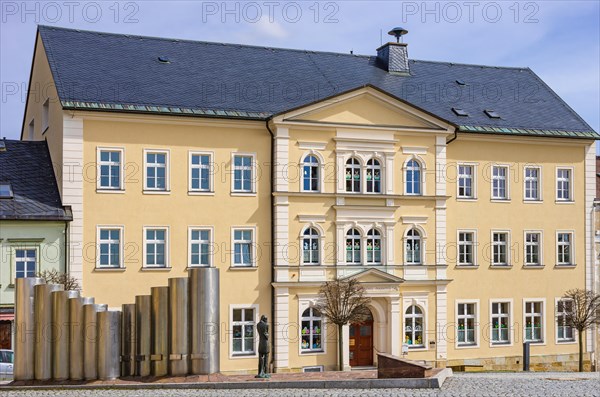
x: 475, y: 317
x: 321, y: 170
x: 540, y: 245
x: 99, y: 162
x: 543, y: 322
x: 474, y: 244
x: 318, y: 237
x: 167, y: 261
x: 540, y: 189
x: 473, y: 181
x: 508, y: 249
x: 200, y: 191
x: 45, y: 115
x: 361, y: 170
x: 25, y: 246
x: 422, y: 252
x: 361, y: 239
x: 253, y: 259
x: 211, y: 240
x: 311, y: 350
x: 167, y: 188
x: 571, y: 182
x: 253, y: 174
x: 379, y: 237
x: 422, y: 170
x: 381, y: 176
x: 511, y: 330
x: 121, y: 229
x: 571, y: 247
x: 233, y: 307
x: 563, y: 341
x: 506, y: 182
x: 319, y: 367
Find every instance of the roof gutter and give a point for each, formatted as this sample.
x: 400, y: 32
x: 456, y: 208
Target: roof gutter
x: 272, y: 174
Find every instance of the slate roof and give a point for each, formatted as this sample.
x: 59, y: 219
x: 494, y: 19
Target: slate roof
x: 115, y: 72
x: 28, y: 168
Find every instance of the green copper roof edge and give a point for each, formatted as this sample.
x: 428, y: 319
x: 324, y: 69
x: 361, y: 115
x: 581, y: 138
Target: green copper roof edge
x: 529, y: 132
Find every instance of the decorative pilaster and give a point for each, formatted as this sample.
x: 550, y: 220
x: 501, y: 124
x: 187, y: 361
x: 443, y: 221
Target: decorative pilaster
x: 282, y: 329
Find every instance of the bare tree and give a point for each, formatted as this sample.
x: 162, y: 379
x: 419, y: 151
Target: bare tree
x: 343, y: 302
x: 584, y: 311
x: 56, y: 277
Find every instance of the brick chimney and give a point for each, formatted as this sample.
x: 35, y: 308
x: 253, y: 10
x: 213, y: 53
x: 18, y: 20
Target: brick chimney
x: 394, y: 57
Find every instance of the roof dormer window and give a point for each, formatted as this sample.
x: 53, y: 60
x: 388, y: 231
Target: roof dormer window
x: 460, y: 112
x: 6, y: 191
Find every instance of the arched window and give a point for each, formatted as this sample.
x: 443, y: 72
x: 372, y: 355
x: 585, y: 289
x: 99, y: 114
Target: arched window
x: 310, y: 247
x: 353, y: 175
x: 311, y: 331
x: 373, y: 176
x: 413, y: 247
x: 310, y: 174
x: 373, y: 247
x: 353, y: 245
x: 413, y: 177
x: 413, y: 326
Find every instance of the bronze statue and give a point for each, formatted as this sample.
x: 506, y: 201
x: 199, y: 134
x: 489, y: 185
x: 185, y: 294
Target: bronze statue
x: 263, y: 348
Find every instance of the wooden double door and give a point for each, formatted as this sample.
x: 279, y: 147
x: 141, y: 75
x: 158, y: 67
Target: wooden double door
x: 361, y: 344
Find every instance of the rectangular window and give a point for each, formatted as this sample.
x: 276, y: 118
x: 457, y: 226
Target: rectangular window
x: 6, y: 191
x: 564, y: 249
x: 243, y: 173
x: 45, y: 115
x: 500, y: 322
x: 156, y: 247
x: 563, y: 184
x: 110, y: 167
x: 533, y: 249
x: 156, y: 170
x: 466, y: 248
x: 534, y: 321
x: 532, y: 184
x: 500, y: 249
x: 564, y: 331
x: 200, y: 247
x: 109, y: 245
x: 243, y: 331
x: 466, y: 181
x: 200, y: 172
x: 25, y: 263
x: 499, y: 183
x: 466, y: 324
x: 242, y: 247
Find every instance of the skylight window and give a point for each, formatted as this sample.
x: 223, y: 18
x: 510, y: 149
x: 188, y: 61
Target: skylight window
x: 461, y: 82
x: 492, y: 114
x: 164, y: 59
x: 460, y: 112
x: 5, y: 191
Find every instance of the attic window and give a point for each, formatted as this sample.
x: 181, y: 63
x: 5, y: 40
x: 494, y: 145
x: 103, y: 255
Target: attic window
x: 5, y: 191
x: 460, y: 112
x: 164, y: 59
x: 461, y: 82
x: 2, y: 146
x: 492, y: 114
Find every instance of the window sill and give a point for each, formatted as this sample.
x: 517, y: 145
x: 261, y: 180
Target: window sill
x: 566, y: 342
x: 536, y: 342
x: 467, y: 346
x: 466, y: 199
x: 572, y: 266
x: 241, y: 268
x: 525, y: 201
x: 243, y: 194
x: 312, y: 352
x: 500, y: 200
x: 110, y: 191
x: 109, y: 269
x: 156, y: 192
x: 189, y: 267
x: 501, y: 267
x: 501, y: 344
x: 200, y: 193
x: 155, y: 269
x: 466, y: 267
x: 417, y: 348
x: 564, y: 201
x: 533, y: 267
x: 238, y: 356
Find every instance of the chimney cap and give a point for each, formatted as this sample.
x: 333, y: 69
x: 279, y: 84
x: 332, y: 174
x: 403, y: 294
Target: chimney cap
x: 398, y: 32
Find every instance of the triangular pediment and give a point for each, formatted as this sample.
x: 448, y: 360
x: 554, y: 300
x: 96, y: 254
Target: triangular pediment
x: 365, y: 107
x: 373, y: 276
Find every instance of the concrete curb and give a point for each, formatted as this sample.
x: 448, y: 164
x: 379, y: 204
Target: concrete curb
x: 434, y: 382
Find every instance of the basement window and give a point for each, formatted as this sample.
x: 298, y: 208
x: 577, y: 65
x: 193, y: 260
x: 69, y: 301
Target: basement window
x: 492, y: 114
x: 6, y: 191
x: 460, y: 112
x: 316, y: 368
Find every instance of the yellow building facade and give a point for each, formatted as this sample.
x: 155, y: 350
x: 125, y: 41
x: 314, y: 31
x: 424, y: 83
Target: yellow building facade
x: 464, y: 241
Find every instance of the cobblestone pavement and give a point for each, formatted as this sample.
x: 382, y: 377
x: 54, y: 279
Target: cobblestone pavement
x: 475, y: 385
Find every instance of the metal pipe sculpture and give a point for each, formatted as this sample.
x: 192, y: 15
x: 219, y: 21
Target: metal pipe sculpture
x: 43, y: 329
x: 24, y: 324
x: 144, y: 334
x: 128, y: 338
x: 179, y: 319
x: 109, y: 345
x: 76, y: 336
x: 61, y: 327
x: 90, y: 340
x: 205, y: 320
x: 160, y: 327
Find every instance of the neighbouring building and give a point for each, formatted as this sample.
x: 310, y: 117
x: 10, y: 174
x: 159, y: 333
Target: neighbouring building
x: 459, y: 195
x: 33, y: 222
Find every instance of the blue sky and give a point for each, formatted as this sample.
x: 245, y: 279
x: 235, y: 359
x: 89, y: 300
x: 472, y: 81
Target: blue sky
x: 559, y: 40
